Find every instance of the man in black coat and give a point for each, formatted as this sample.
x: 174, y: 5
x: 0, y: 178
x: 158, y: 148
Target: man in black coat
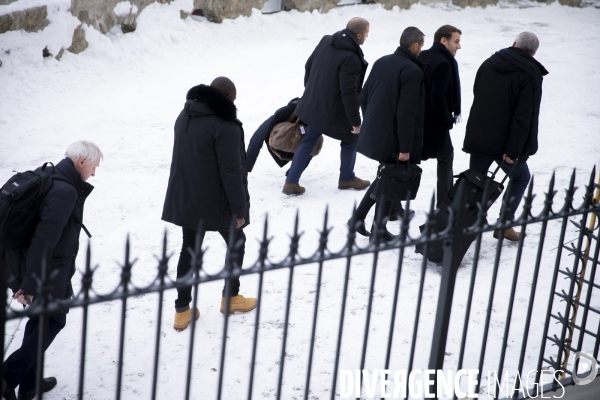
x: 334, y: 75
x: 503, y: 123
x: 442, y: 104
x: 57, y: 232
x: 393, y: 105
x: 208, y: 184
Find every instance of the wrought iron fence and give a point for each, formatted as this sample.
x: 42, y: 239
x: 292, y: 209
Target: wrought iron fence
x: 448, y: 348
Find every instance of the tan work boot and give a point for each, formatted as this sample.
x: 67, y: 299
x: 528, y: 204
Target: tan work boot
x: 292, y: 189
x: 182, y: 319
x: 239, y: 303
x: 509, y: 234
x: 356, y: 183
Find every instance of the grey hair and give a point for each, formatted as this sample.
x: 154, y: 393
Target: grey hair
x: 411, y: 35
x: 527, y: 41
x: 85, y: 149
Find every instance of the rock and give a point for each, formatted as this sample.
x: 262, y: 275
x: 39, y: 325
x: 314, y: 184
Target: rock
x: 60, y: 54
x: 183, y: 14
x: 30, y: 20
x: 310, y: 5
x: 128, y: 28
x: 570, y: 3
x: 217, y: 10
x: 79, y: 43
x: 46, y: 52
x: 474, y: 3
x: 389, y: 4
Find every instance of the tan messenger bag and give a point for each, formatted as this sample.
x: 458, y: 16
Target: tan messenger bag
x: 286, y: 136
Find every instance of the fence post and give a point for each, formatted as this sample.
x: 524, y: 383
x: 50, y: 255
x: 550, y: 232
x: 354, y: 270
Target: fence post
x: 3, y: 306
x: 450, y: 263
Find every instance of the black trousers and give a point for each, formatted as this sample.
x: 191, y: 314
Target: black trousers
x: 382, y: 209
x: 445, y: 179
x: 184, y: 294
x: 21, y: 367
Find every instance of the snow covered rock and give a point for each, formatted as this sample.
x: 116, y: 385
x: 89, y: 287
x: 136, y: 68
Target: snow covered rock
x: 217, y: 10
x: 30, y: 20
x: 310, y: 5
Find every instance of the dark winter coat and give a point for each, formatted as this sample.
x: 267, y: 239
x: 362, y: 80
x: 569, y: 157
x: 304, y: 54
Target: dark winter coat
x: 333, y: 79
x: 505, y: 110
x: 264, y: 131
x: 59, y: 226
x: 393, y: 102
x: 439, y: 101
x: 208, y: 180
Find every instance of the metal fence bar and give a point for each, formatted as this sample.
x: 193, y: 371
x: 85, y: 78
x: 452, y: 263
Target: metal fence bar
x: 293, y: 254
x: 565, y: 219
x: 503, y: 213
x: 196, y: 264
x: 43, y: 326
x: 350, y: 242
x: 262, y: 260
x: 86, y: 284
x: 125, y: 278
x: 536, y: 271
x: 163, y: 267
x: 322, y: 248
x: 402, y: 238
x: 513, y: 289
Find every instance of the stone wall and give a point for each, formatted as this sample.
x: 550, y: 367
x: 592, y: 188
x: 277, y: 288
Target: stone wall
x: 100, y: 13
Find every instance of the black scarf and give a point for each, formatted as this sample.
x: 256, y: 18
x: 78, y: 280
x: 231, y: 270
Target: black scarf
x: 455, y: 77
x: 522, y: 60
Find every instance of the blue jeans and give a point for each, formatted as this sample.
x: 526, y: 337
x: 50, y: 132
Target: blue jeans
x: 302, y: 154
x: 519, y: 177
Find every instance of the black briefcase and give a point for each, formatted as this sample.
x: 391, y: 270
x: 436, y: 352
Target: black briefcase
x: 475, y: 183
x: 399, y: 181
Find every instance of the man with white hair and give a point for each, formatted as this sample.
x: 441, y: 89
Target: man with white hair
x: 56, y: 236
x: 503, y: 123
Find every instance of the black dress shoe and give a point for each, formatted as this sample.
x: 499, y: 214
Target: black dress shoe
x: 7, y: 392
x: 387, y: 237
x: 360, y: 227
x: 47, y: 385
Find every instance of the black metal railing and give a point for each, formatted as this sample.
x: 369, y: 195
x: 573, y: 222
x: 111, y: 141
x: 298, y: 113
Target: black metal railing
x: 448, y: 349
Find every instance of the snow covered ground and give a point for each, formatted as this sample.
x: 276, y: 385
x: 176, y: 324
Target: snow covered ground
x: 124, y: 93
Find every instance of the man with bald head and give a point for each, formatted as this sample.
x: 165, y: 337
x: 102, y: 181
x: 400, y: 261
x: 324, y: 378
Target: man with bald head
x: 334, y: 74
x: 208, y: 185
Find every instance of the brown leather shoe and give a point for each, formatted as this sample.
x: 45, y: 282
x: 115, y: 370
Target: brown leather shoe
x: 238, y: 303
x: 356, y: 184
x: 182, y: 319
x: 509, y: 234
x: 292, y: 189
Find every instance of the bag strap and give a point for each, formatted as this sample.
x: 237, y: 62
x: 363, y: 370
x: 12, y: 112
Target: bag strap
x: 77, y: 220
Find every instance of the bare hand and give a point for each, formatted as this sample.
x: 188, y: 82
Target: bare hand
x: 239, y: 223
x: 23, y: 297
x: 356, y: 129
x: 508, y: 159
x: 403, y: 156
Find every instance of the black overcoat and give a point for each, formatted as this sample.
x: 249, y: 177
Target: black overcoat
x: 392, y: 101
x: 334, y: 74
x: 208, y: 179
x: 264, y: 131
x: 502, y: 119
x: 439, y: 101
x: 60, y: 216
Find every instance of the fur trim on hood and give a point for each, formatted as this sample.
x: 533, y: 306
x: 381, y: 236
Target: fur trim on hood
x: 215, y: 100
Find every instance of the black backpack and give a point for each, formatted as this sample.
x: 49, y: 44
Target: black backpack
x: 20, y: 200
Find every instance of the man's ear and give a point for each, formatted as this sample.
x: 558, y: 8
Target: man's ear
x: 514, y: 44
x: 81, y: 161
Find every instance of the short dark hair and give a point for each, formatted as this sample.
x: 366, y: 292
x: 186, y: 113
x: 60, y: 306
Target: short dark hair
x: 357, y: 25
x: 411, y: 35
x: 445, y: 31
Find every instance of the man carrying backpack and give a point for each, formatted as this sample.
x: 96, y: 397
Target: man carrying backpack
x: 56, y: 237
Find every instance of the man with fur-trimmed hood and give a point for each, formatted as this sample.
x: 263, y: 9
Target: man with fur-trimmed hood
x: 208, y: 184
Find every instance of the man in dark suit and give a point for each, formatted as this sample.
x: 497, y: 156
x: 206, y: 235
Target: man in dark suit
x: 392, y: 102
x: 334, y: 75
x: 503, y: 123
x: 209, y: 183
x: 442, y: 104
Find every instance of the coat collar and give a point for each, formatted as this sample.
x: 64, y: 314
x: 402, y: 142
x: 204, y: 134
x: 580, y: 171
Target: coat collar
x: 404, y: 52
x: 205, y: 100
x: 346, y: 40
x: 67, y: 170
